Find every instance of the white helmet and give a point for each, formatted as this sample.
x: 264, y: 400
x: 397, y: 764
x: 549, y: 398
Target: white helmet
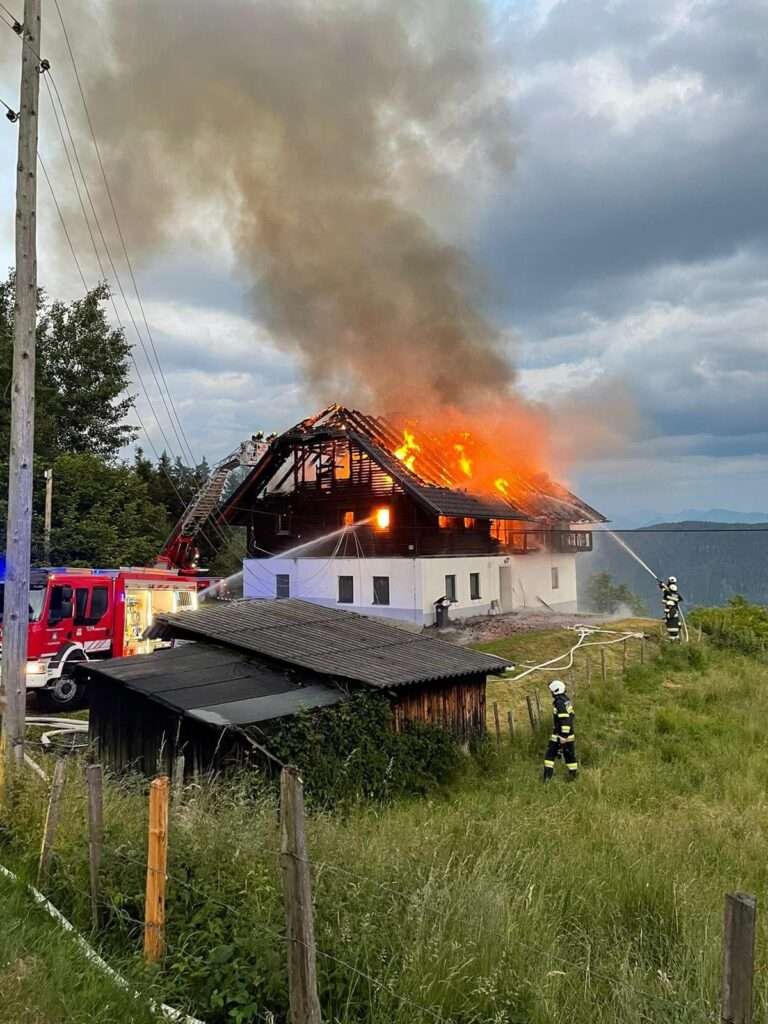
x: 672, y: 579
x: 556, y: 687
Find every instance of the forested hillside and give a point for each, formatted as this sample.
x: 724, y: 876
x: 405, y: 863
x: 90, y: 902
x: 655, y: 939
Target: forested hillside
x: 713, y: 561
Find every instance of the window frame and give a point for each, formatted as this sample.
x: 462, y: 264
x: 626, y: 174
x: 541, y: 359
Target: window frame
x: 451, y: 590
x: 282, y: 579
x: 382, y: 580
x: 555, y: 577
x: 348, y: 580
x: 475, y: 587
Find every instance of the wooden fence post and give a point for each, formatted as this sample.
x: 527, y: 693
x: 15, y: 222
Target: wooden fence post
x: 538, y: 706
x: 497, y: 723
x: 531, y: 712
x: 624, y: 657
x: 157, y: 861
x: 642, y: 650
x: 602, y: 664
x: 511, y: 720
x: 51, y: 821
x: 297, y: 887
x: 589, y: 669
x: 178, y: 778
x: 738, y: 958
x: 94, y: 780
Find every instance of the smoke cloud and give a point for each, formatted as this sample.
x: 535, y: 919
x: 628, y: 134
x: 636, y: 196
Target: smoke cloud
x: 329, y: 140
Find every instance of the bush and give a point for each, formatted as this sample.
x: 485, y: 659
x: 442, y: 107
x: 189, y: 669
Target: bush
x: 350, y: 752
x: 740, y: 625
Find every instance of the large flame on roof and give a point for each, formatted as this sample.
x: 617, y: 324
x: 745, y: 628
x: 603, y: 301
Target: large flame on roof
x: 492, y: 453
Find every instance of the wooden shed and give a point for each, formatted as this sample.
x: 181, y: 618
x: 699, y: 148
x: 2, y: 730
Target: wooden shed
x: 251, y: 662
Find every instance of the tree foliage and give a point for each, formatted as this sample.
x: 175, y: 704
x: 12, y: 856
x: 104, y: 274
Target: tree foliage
x: 105, y: 511
x: 604, y: 596
x: 82, y: 376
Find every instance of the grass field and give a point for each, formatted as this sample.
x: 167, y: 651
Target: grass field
x: 497, y: 901
x: 43, y: 977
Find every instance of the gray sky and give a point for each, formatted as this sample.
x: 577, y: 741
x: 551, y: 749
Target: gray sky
x: 626, y: 250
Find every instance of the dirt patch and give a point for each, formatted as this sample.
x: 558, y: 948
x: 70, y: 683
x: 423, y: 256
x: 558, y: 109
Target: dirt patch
x: 483, y: 630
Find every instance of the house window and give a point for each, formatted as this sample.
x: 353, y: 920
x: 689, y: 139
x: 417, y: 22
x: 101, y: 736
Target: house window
x: 447, y: 522
x: 346, y: 590
x: 283, y: 524
x: 282, y: 585
x: 474, y: 586
x: 555, y: 578
x: 469, y: 524
x: 381, y: 589
x: 347, y: 518
x: 450, y: 588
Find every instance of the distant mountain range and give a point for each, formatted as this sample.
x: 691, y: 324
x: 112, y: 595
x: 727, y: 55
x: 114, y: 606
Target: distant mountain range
x: 648, y: 517
x: 713, y: 560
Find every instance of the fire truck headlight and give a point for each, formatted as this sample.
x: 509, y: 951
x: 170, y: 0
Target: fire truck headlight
x: 36, y: 668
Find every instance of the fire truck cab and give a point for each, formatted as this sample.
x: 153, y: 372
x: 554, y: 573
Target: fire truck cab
x: 81, y: 614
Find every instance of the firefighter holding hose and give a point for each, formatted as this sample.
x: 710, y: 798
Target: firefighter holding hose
x: 671, y: 599
x: 562, y: 743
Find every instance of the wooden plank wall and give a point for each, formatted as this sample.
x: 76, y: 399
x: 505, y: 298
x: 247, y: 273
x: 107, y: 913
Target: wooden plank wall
x: 458, y: 707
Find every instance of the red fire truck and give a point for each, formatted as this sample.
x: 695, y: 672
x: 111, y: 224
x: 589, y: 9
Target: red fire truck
x: 79, y: 614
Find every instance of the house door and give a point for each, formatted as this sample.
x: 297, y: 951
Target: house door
x: 506, y: 594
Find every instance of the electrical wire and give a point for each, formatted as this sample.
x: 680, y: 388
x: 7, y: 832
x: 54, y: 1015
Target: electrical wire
x: 62, y: 221
x: 215, y: 527
x: 119, y: 229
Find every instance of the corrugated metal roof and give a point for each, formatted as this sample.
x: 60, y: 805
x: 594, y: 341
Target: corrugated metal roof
x: 328, y: 641
x: 213, y: 684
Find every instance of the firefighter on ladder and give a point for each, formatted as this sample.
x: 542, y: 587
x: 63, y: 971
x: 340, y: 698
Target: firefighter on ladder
x: 671, y: 599
x: 563, y: 740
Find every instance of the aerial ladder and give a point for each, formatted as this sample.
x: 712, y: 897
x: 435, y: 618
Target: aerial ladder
x: 180, y: 550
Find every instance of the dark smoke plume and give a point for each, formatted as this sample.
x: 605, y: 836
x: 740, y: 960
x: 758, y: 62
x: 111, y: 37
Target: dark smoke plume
x: 329, y: 140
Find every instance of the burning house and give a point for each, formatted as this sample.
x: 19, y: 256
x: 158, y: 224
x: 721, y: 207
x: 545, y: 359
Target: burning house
x: 348, y: 510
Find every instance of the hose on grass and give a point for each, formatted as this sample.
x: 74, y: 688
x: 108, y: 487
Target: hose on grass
x: 168, y: 1012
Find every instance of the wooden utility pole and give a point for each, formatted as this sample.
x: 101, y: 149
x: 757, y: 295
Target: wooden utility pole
x: 48, y: 514
x: 157, y: 861
x: 738, y: 958
x: 19, y: 529
x: 297, y: 888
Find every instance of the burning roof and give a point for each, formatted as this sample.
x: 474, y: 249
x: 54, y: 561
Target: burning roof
x: 434, y: 469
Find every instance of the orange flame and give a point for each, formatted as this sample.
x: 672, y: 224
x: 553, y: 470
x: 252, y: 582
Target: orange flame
x: 465, y: 463
x: 408, y: 450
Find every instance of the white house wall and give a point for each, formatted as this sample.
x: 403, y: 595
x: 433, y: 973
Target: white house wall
x: 416, y: 583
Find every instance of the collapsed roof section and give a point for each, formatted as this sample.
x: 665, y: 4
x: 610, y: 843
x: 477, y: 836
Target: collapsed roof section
x: 433, y: 484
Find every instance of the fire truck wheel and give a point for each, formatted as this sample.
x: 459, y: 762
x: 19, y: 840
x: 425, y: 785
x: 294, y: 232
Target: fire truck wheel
x: 64, y: 695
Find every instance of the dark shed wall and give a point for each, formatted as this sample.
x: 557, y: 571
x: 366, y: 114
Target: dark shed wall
x: 130, y: 732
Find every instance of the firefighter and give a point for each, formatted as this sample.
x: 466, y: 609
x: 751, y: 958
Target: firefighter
x: 563, y: 739
x: 671, y: 599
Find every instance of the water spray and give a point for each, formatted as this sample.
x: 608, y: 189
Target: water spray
x: 216, y: 588
x: 629, y: 551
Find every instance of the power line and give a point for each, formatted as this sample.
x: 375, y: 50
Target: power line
x: 119, y: 229
x: 63, y: 222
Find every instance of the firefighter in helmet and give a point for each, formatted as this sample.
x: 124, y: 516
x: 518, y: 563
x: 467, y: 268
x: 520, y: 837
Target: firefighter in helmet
x: 562, y: 742
x: 671, y: 599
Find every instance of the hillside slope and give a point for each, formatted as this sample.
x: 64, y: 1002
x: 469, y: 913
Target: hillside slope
x: 496, y: 901
x: 711, y: 566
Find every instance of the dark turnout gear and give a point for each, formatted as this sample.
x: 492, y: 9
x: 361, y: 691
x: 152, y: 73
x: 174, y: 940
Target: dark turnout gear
x: 671, y: 599
x: 562, y: 742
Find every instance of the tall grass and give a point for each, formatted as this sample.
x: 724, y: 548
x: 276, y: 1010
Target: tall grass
x: 499, y: 901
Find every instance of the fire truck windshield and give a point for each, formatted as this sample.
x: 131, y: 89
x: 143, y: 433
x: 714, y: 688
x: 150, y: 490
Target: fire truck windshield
x: 36, y: 598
